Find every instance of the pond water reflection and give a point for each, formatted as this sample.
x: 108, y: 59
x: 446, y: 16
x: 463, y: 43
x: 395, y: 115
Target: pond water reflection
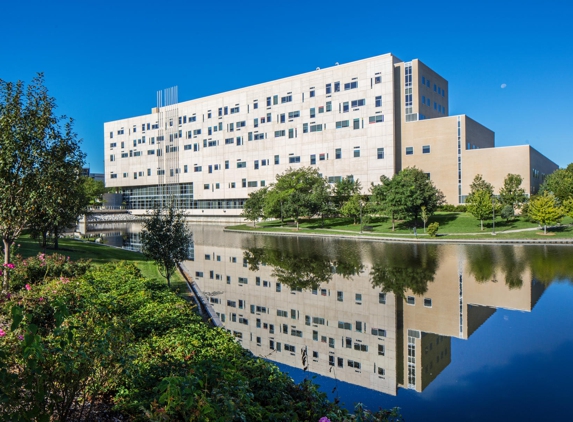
x: 447, y: 332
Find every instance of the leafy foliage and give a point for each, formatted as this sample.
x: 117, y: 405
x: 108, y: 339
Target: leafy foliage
x: 480, y: 205
x: 512, y: 193
x: 114, y: 338
x: 545, y: 210
x: 166, y: 239
x: 253, y: 208
x: 433, y: 229
x: 559, y: 183
x: 34, y: 144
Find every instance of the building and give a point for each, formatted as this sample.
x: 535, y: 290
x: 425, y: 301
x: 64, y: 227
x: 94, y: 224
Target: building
x: 361, y: 120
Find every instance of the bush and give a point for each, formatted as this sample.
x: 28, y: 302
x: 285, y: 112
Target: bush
x: 453, y: 208
x: 433, y: 229
x: 507, y: 212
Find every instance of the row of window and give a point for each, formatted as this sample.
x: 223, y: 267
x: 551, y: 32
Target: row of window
x: 438, y: 107
x: 438, y: 89
x: 425, y: 150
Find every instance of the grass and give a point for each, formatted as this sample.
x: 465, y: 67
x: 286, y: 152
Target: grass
x: 453, y: 225
x: 99, y: 254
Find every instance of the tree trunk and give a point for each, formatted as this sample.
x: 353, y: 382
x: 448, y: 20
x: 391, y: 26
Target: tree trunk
x: 545, y: 229
x: 44, y: 240
x: 481, y: 222
x: 56, y: 238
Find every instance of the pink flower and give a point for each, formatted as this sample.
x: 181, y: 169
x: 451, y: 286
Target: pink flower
x: 20, y: 338
x: 28, y: 287
x: 41, y: 299
x: 324, y: 419
x: 64, y: 280
x: 9, y: 265
x: 2, y: 332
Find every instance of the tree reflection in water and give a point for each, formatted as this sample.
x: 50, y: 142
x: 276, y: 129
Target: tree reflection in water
x: 405, y: 267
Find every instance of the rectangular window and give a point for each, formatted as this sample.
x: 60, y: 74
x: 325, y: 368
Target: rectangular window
x: 279, y: 133
x: 357, y: 153
x: 426, y: 149
x: 312, y: 113
x: 378, y: 332
x: 313, y: 159
x: 351, y: 85
x: 241, y: 164
x: 277, y: 159
x: 409, y: 150
x: 356, y: 124
x: 357, y: 103
x: 253, y: 184
x: 292, y: 160
x: 305, y: 128
x: 344, y: 325
x: 286, y: 99
x: 340, y: 296
x: 376, y: 119
x: 380, y: 153
x: 294, y: 114
x: 382, y: 298
x: 328, y: 89
x: 291, y: 133
x: 328, y: 106
x: 378, y: 101
x: 377, y: 79
x: 342, y: 124
x: 345, y: 107
x: 381, y: 350
x: 338, y: 153
x: 316, y: 128
x: 411, y: 300
x: 428, y: 302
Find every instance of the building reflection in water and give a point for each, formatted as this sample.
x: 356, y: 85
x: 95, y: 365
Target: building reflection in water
x: 372, y: 314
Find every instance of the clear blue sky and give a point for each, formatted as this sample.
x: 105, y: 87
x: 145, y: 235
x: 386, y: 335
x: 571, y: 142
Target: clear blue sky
x: 105, y: 60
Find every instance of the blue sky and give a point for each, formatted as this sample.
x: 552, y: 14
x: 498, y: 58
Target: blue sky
x: 106, y: 60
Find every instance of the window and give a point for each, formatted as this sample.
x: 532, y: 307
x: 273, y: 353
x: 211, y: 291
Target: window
x: 328, y: 106
x: 409, y: 150
x: 344, y: 325
x: 381, y: 371
x: 342, y: 124
x: 279, y: 133
x: 328, y: 89
x: 351, y: 85
x: 253, y: 184
x: 197, y: 169
x: 282, y: 118
x: 313, y: 159
x: 345, y: 107
x: 340, y: 362
x: 382, y: 298
x: 357, y: 103
x: 426, y: 149
x: 356, y: 152
x: 277, y: 159
x: 294, y: 114
x: 376, y: 119
x: 378, y: 101
x: 312, y: 113
x: 291, y: 133
x: 361, y: 347
x: 286, y: 99
x: 292, y: 160
x: 380, y: 153
x: 241, y: 164
x: 428, y: 302
x: 336, y: 86
x: 411, y: 300
x: 316, y: 128
x: 256, y: 164
x: 338, y: 153
x: 378, y: 332
x: 311, y: 93
x: 381, y: 350
x: 377, y: 79
x: 356, y: 124
x: 353, y: 364
x: 206, y: 186
x: 322, y: 156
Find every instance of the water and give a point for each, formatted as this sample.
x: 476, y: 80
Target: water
x: 446, y: 332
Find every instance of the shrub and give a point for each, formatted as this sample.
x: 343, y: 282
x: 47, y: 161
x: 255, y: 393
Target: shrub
x: 433, y: 229
x: 453, y: 208
x: 507, y: 212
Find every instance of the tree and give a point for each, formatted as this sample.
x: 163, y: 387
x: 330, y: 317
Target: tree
x: 253, y: 208
x: 296, y: 193
x: 559, y: 183
x: 30, y: 136
x: 93, y: 190
x: 512, y: 193
x: 384, y: 199
x: 353, y: 207
x: 425, y: 217
x: 568, y: 207
x: 166, y: 239
x: 545, y: 210
x: 480, y: 184
x: 414, y: 190
x: 345, y: 189
x: 480, y: 205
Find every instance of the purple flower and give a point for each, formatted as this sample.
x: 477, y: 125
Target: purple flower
x: 324, y: 419
x: 2, y: 332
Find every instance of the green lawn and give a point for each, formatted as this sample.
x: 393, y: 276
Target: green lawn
x: 99, y: 254
x: 452, y: 225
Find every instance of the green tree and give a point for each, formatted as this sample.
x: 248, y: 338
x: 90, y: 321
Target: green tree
x: 425, y: 217
x: 30, y: 135
x: 384, y: 199
x: 296, y: 193
x: 512, y: 193
x: 353, y: 207
x: 559, y: 183
x: 414, y: 190
x: 479, y: 184
x: 480, y: 205
x: 545, y: 210
x: 568, y: 207
x: 345, y: 189
x: 253, y: 208
x: 93, y: 190
x: 166, y: 239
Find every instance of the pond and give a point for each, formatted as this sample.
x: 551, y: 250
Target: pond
x: 445, y: 332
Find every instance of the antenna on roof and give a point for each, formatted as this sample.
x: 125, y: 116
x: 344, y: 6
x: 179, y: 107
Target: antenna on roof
x: 318, y: 68
x: 336, y: 64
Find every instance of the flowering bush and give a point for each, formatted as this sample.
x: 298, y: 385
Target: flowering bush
x: 37, y: 268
